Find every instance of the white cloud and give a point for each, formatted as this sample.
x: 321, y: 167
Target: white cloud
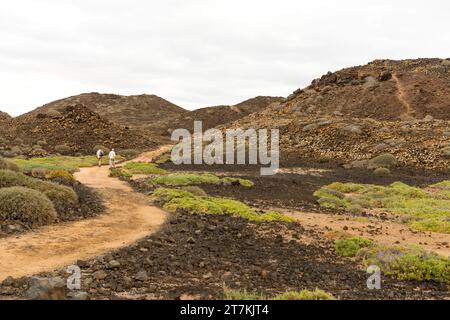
x: 201, y: 52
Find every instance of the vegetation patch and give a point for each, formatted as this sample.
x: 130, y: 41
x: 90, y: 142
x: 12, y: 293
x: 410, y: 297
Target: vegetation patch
x: 63, y: 197
x: 184, y: 179
x: 408, y: 263
x: 27, y: 206
x: 8, y: 165
x: 316, y: 294
x: 143, y: 168
x: 119, y: 173
x: 182, y: 200
x: 351, y: 246
x: 426, y: 209
x: 59, y: 163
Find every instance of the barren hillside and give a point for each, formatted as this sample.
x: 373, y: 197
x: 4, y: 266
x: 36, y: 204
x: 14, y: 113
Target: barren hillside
x: 133, y: 111
x: 214, y: 116
x: 399, y: 107
x: 76, y: 127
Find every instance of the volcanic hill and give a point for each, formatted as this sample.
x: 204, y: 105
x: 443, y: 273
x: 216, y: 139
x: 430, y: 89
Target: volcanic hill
x: 133, y: 111
x: 214, y: 116
x: 397, y: 107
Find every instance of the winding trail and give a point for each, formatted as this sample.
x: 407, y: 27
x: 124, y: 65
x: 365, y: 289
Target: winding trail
x: 128, y: 218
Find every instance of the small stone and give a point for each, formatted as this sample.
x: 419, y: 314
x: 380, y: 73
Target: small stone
x: 78, y: 295
x: 113, y: 264
x: 191, y: 240
x: 47, y: 289
x: 82, y: 264
x: 9, y: 281
x: 99, y: 275
x: 141, y: 276
x: 207, y: 276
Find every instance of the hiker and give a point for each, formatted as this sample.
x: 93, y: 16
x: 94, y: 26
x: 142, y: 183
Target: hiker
x: 112, y: 159
x: 100, y: 155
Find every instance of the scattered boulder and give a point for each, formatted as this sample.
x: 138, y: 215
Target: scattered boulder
x: 47, y: 289
x: 385, y: 76
x: 99, y: 275
x: 141, y: 276
x: 351, y: 129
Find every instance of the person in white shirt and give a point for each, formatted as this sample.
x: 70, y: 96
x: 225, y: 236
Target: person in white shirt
x: 112, y: 159
x: 100, y: 155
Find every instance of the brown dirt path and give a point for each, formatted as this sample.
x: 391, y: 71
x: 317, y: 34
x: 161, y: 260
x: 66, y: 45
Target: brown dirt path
x: 383, y: 232
x: 128, y: 218
x: 401, y: 95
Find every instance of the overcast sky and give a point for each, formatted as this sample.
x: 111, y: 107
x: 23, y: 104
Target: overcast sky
x: 200, y: 53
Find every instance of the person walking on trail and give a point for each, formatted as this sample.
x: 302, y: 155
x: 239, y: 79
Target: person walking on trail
x: 100, y: 155
x: 112, y: 159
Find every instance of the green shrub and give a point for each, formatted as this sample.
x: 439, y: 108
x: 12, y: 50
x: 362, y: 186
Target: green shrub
x: 382, y: 172
x: 333, y: 203
x: 177, y: 179
x: 177, y: 199
x: 423, y: 209
x: 316, y: 294
x: 143, y: 168
x: 163, y: 159
x: 196, y: 191
x: 385, y: 160
x: 61, y: 177
x: 53, y: 163
x: 242, y: 182
x: 27, y: 206
x: 167, y: 194
x: 119, y: 173
x: 180, y: 179
x: 8, y: 165
x: 10, y: 178
x: 62, y: 197
x: 39, y: 173
x: 408, y: 263
x: 351, y: 246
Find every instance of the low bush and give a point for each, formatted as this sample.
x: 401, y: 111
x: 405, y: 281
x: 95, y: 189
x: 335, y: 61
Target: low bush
x: 28, y: 206
x: 351, y: 246
x: 119, y: 173
x: 8, y: 165
x: 184, y: 179
x: 62, y: 197
x: 54, y: 163
x: 143, y: 168
x: 408, y: 263
x: 196, y: 191
x: 238, y: 181
x: 425, y: 209
x: 181, y: 200
x: 316, y: 294
x: 61, y: 176
x: 178, y: 179
x: 385, y: 160
x: 39, y: 173
x: 382, y: 172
